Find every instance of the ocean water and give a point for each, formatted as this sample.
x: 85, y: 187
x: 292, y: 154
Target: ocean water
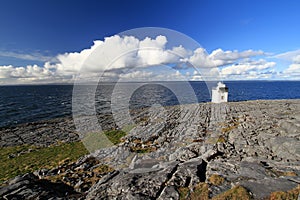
x: 21, y: 104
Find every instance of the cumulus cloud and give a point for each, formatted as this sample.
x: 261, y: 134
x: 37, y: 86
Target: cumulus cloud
x: 243, y: 68
x: 120, y: 52
x: 21, y: 72
x: 296, y: 59
x: 31, y: 74
x: 293, y: 70
x: 218, y: 57
x: 116, y: 53
x: 248, y: 70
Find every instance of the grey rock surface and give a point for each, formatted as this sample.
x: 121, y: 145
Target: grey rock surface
x: 30, y: 186
x: 254, y: 144
x: 42, y: 133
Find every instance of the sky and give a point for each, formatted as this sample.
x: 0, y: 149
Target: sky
x: 48, y: 41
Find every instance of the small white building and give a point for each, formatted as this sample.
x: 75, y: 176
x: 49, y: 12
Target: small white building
x: 219, y: 93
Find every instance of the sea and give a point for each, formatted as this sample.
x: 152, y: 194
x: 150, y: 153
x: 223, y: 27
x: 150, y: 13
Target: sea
x: 31, y: 103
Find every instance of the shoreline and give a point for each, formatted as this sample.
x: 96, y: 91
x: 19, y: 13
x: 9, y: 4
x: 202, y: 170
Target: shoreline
x: 15, y: 125
x: 63, y: 128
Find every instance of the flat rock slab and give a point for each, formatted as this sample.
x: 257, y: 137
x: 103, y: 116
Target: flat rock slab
x: 254, y: 144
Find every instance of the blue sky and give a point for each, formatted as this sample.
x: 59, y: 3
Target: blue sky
x: 34, y: 32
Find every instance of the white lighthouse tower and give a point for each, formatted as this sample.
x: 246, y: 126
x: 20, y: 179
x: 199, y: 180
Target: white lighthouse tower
x: 219, y: 93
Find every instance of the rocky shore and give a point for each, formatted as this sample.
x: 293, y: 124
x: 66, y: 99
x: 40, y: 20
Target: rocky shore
x: 42, y: 133
x: 236, y: 150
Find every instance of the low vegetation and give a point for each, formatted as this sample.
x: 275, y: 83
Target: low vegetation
x: 215, y: 140
x: 115, y: 135
x: 199, y: 192
x: 98, y: 140
x: 140, y: 146
x: 230, y: 126
x: 291, y: 194
x: 281, y: 173
x: 235, y: 193
x: 221, y: 139
x: 216, y: 179
x: 71, y: 174
x: 23, y: 159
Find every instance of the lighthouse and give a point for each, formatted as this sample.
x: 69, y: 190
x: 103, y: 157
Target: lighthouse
x: 219, y: 93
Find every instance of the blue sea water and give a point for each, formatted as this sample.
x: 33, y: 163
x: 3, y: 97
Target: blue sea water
x: 21, y: 104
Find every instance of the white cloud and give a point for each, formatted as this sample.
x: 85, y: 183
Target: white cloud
x: 260, y: 69
x: 218, y: 57
x: 31, y: 74
x: 115, y: 53
x: 119, y: 52
x: 296, y: 59
x: 289, y: 56
x: 293, y: 69
x: 5, y: 71
x: 137, y: 75
x: 247, y: 67
x: 231, y: 56
x: 128, y: 51
x: 33, y: 56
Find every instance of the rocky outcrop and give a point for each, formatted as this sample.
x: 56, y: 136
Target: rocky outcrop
x: 252, y: 144
x: 30, y: 186
x: 43, y: 133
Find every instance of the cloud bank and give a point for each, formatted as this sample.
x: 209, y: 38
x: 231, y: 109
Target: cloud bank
x: 115, y: 55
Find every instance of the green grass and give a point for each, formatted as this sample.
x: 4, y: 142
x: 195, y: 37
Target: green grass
x: 99, y: 140
x: 115, y: 135
x: 30, y: 158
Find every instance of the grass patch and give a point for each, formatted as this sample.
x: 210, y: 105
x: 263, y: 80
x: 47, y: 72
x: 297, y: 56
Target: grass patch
x: 115, y: 135
x: 215, y: 140
x: 199, y: 192
x: 103, y: 169
x: 235, y: 193
x: 88, y: 176
x: 216, y: 179
x: 99, y: 140
x: 183, y: 192
x: 230, y: 126
x: 291, y: 194
x: 221, y: 139
x: 281, y: 173
x: 23, y: 159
